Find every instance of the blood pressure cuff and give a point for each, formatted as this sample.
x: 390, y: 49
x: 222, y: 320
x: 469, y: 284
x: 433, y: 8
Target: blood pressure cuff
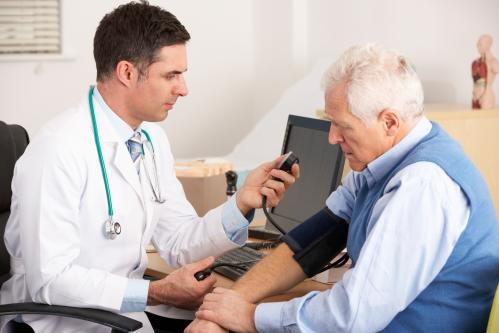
x: 317, y: 241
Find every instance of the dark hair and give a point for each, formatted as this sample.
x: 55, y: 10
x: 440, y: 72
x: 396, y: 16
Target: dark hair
x: 135, y: 32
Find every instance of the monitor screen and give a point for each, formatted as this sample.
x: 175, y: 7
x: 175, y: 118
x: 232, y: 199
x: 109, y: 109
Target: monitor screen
x: 321, y: 168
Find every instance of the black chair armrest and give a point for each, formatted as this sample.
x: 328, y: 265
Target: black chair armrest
x: 113, y: 320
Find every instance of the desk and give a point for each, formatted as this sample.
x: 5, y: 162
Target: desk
x: 158, y: 268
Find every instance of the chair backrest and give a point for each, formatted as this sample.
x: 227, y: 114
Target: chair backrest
x: 493, y: 326
x: 13, y: 142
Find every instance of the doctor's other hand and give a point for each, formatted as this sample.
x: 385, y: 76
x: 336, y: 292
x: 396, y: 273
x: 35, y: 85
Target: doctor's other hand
x: 261, y: 182
x: 204, y: 326
x: 228, y: 309
x: 180, y: 288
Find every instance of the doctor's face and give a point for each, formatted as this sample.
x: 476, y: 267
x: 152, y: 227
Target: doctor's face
x: 155, y: 93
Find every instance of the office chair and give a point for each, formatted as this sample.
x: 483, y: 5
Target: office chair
x: 13, y: 142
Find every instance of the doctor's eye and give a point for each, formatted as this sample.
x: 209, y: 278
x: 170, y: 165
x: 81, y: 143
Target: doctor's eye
x: 172, y: 75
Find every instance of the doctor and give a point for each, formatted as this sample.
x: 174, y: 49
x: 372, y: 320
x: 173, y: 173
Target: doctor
x: 98, y: 184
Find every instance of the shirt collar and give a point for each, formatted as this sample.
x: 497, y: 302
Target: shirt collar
x: 378, y: 168
x: 123, y: 130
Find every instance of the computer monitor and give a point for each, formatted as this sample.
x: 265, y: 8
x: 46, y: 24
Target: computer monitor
x: 321, y: 168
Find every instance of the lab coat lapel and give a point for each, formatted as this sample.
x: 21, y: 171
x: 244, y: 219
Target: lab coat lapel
x: 123, y: 162
x: 119, y: 157
x: 147, y: 190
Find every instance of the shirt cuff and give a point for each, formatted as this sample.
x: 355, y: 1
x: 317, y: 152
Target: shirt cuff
x: 135, y: 298
x: 235, y: 224
x: 268, y: 317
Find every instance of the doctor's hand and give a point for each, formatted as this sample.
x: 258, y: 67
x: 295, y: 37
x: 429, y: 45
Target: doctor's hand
x: 229, y: 309
x: 204, y: 326
x: 260, y: 182
x: 180, y: 288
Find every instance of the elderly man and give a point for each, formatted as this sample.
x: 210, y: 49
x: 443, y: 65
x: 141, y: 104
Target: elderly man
x: 422, y: 230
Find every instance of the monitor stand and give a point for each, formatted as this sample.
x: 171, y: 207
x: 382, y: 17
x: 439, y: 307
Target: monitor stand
x: 263, y: 232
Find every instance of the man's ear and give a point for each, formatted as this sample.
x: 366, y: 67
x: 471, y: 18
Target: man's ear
x: 126, y: 73
x: 391, y: 121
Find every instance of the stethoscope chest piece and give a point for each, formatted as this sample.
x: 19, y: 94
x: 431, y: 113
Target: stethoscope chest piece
x: 112, y: 228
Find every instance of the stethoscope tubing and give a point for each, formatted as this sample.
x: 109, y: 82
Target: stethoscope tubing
x: 110, y: 211
x: 99, y: 153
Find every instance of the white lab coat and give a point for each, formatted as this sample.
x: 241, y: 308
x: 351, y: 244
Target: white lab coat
x: 59, y: 252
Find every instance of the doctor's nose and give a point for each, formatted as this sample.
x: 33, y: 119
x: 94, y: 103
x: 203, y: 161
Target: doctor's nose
x: 181, y: 87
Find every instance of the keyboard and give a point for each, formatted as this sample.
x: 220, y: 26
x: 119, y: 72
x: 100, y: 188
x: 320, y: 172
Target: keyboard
x: 236, y: 256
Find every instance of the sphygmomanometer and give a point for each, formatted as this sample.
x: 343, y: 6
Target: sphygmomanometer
x: 315, y: 242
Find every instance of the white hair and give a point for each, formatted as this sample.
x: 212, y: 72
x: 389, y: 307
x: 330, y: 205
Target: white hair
x: 376, y: 79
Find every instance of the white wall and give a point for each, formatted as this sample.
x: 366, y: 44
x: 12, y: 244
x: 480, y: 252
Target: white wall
x: 220, y: 75
x: 244, y: 54
x: 439, y: 37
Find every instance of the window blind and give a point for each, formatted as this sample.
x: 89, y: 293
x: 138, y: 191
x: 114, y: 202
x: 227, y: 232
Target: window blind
x: 30, y: 27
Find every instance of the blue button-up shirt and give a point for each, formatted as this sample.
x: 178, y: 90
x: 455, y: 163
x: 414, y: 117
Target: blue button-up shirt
x: 411, y: 234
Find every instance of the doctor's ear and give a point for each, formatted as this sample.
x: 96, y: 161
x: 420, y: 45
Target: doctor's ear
x: 126, y: 72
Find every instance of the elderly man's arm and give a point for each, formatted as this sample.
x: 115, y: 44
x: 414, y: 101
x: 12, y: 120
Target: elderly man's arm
x: 276, y: 273
x: 273, y: 275
x: 307, y: 249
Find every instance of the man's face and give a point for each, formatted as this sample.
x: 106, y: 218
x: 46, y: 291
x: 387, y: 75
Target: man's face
x: 155, y: 93
x: 361, y: 144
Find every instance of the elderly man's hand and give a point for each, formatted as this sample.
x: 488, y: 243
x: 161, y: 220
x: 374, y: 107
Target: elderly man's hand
x: 260, y: 182
x: 228, y: 309
x: 204, y: 326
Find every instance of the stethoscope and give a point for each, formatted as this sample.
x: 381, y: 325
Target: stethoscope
x: 112, y: 228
